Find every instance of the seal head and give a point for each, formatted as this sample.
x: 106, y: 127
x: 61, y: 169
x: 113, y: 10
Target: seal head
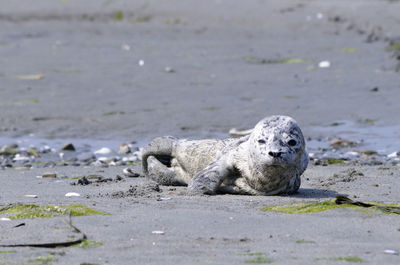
x: 277, y: 155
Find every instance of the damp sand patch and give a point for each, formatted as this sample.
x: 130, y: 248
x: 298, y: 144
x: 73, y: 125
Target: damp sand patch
x: 29, y: 211
x: 339, y: 202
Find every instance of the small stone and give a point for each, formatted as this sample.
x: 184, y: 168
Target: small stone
x: 49, y: 175
x: 169, y: 70
x: 26, y: 167
x: 83, y: 181
x: 375, y: 89
x: 391, y: 252
x: 19, y: 157
x: 45, y: 149
x: 351, y: 155
x: 368, y: 152
x: 104, y: 159
x: 72, y: 194
x: 68, y: 147
x: 337, y: 143
x: 99, y: 163
x: 158, y: 232
x: 125, y: 47
x: 130, y: 173
x: 124, y: 149
x: 30, y: 196
x: 103, y: 151
x: 141, y: 63
x: 85, y: 157
x: 324, y: 64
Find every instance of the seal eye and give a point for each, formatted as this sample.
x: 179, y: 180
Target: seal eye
x: 292, y: 142
x: 261, y: 141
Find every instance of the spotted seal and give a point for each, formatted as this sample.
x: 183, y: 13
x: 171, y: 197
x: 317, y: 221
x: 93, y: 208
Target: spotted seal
x: 268, y: 161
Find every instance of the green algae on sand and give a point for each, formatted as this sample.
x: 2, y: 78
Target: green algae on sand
x: 315, y: 207
x: 23, y: 211
x: 305, y: 207
x: 89, y: 244
x: 354, y: 259
x: 259, y: 258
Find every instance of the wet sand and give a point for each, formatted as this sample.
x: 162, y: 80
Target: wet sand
x: 224, y: 59
x: 122, y: 71
x: 221, y: 229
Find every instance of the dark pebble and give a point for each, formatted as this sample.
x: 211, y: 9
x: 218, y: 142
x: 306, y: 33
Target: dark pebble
x: 68, y: 147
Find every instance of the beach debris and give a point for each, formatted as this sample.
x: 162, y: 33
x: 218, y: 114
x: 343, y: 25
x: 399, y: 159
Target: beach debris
x: 140, y: 62
x: 89, y: 179
x: 169, y: 70
x: 124, y: 149
x: 128, y: 172
x: 25, y: 167
x: 68, y: 147
x: 33, y: 152
x: 351, y: 155
x: 324, y: 64
x: 118, y: 16
x: 19, y: 157
x: 49, y: 175
x: 368, y: 152
x: 393, y: 155
x: 350, y: 50
x: 257, y: 60
x: 5, y: 219
x: 374, y: 89
x: 164, y: 199
x: 339, y: 202
x: 158, y: 232
x: 53, y: 244
x: 83, y: 181
x: 31, y: 196
x: 391, y: 252
x: 72, y: 194
x: 103, y: 151
x: 384, y: 208
x: 8, y: 150
x: 125, y: 47
x: 337, y: 143
x: 30, y: 77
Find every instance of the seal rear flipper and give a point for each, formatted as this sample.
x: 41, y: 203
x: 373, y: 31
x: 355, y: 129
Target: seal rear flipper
x: 162, y: 174
x: 161, y: 148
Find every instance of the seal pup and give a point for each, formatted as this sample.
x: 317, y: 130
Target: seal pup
x: 268, y: 161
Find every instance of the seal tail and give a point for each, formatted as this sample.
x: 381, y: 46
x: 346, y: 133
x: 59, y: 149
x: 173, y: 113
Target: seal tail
x: 161, y: 148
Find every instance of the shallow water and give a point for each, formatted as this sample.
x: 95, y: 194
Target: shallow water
x: 382, y: 139
x: 81, y: 145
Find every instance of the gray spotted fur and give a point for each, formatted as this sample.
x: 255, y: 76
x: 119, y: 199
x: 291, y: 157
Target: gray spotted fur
x: 266, y: 162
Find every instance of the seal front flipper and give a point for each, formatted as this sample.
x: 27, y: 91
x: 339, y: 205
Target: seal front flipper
x: 210, y: 178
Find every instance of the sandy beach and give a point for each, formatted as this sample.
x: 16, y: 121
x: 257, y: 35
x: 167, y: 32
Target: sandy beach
x: 98, y: 74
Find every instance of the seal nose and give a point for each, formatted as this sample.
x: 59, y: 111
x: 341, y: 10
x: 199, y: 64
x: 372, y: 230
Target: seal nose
x: 275, y: 154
